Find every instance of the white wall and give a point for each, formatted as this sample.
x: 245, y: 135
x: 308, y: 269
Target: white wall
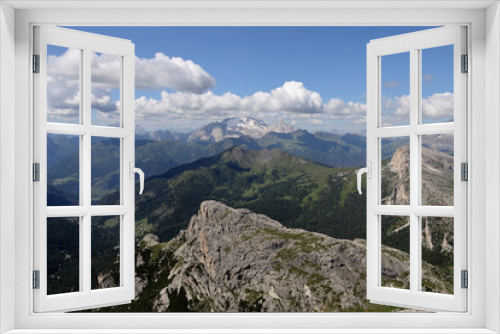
x: 492, y: 147
x: 7, y: 161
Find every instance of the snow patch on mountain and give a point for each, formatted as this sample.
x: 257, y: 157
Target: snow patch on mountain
x: 237, y: 127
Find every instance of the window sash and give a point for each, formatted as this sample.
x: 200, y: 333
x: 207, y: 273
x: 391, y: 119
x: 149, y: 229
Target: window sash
x: 413, y: 43
x: 86, y: 297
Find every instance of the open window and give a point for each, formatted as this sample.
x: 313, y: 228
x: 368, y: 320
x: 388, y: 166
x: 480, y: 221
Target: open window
x: 409, y: 205
x: 77, y: 206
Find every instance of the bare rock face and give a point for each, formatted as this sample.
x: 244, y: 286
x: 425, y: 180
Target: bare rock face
x: 437, y: 178
x: 234, y: 260
x: 437, y: 188
x: 400, y: 166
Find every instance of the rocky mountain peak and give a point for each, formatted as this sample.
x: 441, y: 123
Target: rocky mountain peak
x: 234, y: 260
x: 235, y: 128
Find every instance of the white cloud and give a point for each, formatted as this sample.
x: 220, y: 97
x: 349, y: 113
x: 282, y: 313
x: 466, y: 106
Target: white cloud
x: 438, y: 106
x: 193, y: 103
x: 156, y: 73
x: 396, y: 109
x: 338, y: 109
x: 176, y: 73
x: 290, y: 101
x: 292, y: 97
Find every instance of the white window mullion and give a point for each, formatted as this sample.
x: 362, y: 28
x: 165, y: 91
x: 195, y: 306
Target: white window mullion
x: 414, y: 170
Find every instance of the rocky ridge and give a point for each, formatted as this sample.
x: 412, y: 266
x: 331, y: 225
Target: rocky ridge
x: 234, y: 260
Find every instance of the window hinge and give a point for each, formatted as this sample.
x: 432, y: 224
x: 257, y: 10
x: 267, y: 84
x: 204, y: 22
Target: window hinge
x: 465, y: 279
x: 465, y: 64
x: 36, y: 279
x: 464, y: 171
x: 36, y: 172
x: 36, y: 63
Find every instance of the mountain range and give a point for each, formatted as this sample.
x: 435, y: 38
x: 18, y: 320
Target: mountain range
x: 288, y: 182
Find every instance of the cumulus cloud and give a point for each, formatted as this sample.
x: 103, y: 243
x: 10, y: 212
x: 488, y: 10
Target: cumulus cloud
x: 338, y: 109
x: 292, y: 97
x: 292, y: 100
x: 177, y: 73
x: 159, y: 72
x: 438, y: 107
x: 193, y: 103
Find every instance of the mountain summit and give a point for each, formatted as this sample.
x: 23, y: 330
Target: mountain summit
x: 235, y: 128
x: 234, y: 260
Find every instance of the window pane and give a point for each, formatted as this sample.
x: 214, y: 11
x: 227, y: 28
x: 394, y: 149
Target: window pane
x: 437, y: 254
x: 395, y: 90
x: 63, y: 84
x: 437, y: 170
x: 395, y: 171
x: 395, y: 257
x: 105, y: 88
x: 63, y: 170
x: 63, y: 255
x: 105, y: 171
x: 437, y: 84
x: 105, y: 252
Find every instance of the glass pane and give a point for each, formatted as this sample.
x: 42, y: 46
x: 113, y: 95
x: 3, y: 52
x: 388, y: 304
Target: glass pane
x: 437, y: 170
x: 395, y: 90
x: 437, y: 254
x: 105, y: 171
x: 437, y: 84
x: 63, y: 170
x: 105, y: 252
x: 63, y: 255
x: 395, y: 171
x: 63, y: 84
x: 395, y: 257
x: 105, y: 88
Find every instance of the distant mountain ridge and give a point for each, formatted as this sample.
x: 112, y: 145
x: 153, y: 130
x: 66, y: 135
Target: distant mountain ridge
x: 156, y: 157
x: 235, y: 128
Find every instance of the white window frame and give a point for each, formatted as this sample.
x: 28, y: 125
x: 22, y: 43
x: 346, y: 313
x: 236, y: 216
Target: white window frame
x: 86, y: 43
x: 483, y: 102
x: 414, y: 43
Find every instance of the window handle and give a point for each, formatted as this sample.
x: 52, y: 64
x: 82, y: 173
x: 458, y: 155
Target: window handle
x: 368, y: 171
x: 139, y: 171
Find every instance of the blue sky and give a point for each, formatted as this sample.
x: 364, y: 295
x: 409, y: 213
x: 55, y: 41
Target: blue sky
x: 330, y: 61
